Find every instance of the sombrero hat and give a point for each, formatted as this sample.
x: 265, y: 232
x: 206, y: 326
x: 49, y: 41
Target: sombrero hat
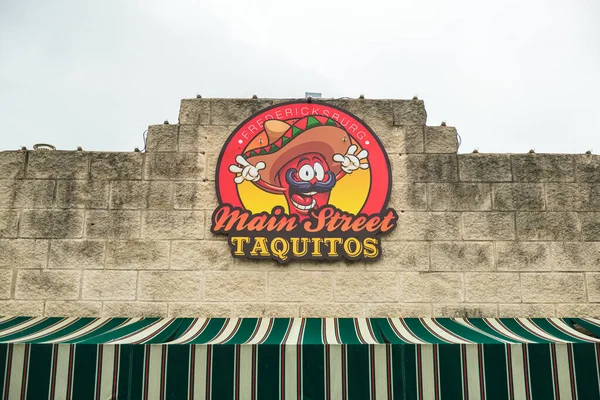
x: 282, y: 141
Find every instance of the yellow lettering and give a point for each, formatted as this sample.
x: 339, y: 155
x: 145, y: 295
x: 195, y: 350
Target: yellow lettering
x: 239, y: 242
x: 260, y: 247
x: 280, y: 248
x: 296, y: 250
x: 317, y: 247
x: 357, y: 247
x: 332, y: 243
x: 371, y: 250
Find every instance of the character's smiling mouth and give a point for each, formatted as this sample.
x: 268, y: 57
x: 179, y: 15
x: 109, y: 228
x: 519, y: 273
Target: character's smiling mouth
x: 303, y: 201
x: 309, y: 202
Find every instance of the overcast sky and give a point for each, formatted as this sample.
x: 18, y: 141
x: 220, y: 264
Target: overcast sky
x: 510, y: 75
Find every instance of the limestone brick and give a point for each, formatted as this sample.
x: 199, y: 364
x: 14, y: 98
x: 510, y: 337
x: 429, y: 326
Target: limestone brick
x: 578, y: 310
x: 211, y: 165
x: 546, y: 287
x: 593, y: 286
x: 194, y: 111
x: 413, y: 139
x: 460, y: 196
x: 5, y: 283
x: 12, y: 164
x: 477, y: 167
x: 173, y: 224
x: 523, y: 256
x: 201, y: 255
x: 162, y: 138
x: 201, y: 310
x: 190, y: 139
x: 248, y: 264
x: 235, y: 286
x: 409, y: 112
x: 55, y: 285
x: 9, y: 223
x: 116, y: 166
x: 330, y: 310
x: 266, y: 310
x: 424, y: 168
x: 195, y: 195
x: 462, y: 256
x: 408, y: 196
x: 169, y: 285
x: 573, y: 196
x: 144, y: 309
x: 87, y: 254
x: 465, y: 310
x: 441, y: 139
x: 401, y: 139
x: 526, y: 310
x: 376, y: 113
x: 590, y: 226
x: 73, y: 309
x: 402, y: 256
x: 208, y: 235
x: 575, y: 256
x: 58, y: 165
x: 82, y: 194
x: 174, y: 166
x: 207, y: 138
x: 26, y: 193
x: 404, y: 310
x: 548, y: 226
x: 426, y: 226
x: 489, y: 225
x: 423, y: 287
x: 518, y: 197
x: 587, y: 168
x: 109, y: 285
x: 114, y: 224
x: 365, y: 287
x: 543, y: 167
x: 59, y: 224
x: 299, y: 286
x: 140, y: 195
x: 23, y: 253
x: 487, y: 287
x: 137, y: 254
x: 24, y: 308
x: 235, y: 111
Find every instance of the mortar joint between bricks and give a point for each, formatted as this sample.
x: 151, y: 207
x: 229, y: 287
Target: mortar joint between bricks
x: 585, y: 287
x: 89, y: 167
x: 26, y: 165
x: 143, y: 174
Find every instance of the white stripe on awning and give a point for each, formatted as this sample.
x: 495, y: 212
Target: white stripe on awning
x: 193, y: 331
x: 226, y: 331
x: 404, y: 333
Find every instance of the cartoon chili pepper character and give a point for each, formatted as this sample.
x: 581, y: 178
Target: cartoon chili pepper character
x: 301, y: 159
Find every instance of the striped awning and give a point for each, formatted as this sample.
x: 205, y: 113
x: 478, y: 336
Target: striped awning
x: 299, y: 358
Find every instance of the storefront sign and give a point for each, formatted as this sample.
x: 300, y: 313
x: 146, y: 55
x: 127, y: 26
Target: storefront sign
x: 303, y: 180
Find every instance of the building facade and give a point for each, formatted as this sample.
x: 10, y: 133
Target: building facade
x: 106, y: 234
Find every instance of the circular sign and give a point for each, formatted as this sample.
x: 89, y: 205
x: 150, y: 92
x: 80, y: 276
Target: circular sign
x: 301, y: 156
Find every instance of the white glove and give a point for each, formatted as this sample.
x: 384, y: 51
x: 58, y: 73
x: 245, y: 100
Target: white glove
x: 351, y: 162
x: 247, y: 171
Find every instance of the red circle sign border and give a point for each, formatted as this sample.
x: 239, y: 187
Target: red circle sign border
x: 379, y: 164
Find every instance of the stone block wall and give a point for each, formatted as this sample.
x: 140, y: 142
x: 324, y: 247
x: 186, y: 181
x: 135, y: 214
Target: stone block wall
x: 127, y: 234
